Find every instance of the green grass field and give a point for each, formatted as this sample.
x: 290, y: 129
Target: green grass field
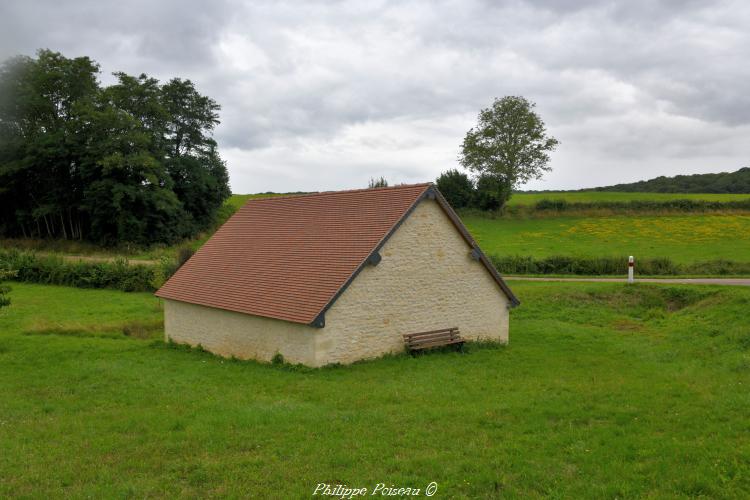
x: 683, y: 238
x: 593, y: 196
x: 237, y: 200
x: 604, y: 391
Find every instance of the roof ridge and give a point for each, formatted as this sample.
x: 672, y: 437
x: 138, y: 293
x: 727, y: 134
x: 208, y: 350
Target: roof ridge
x: 343, y: 191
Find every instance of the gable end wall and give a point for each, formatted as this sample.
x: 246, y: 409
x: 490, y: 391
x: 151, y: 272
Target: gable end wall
x: 426, y: 280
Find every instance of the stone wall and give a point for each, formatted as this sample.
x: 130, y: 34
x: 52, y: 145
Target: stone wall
x: 230, y: 333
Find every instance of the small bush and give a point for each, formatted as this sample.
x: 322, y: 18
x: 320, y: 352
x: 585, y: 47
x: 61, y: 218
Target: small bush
x: 491, y: 193
x: 456, y: 187
x: 183, y: 255
x: 277, y: 359
x: 4, y: 275
x: 379, y: 182
x: 546, y: 204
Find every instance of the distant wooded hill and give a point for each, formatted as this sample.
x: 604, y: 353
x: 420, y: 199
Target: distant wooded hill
x: 724, y: 182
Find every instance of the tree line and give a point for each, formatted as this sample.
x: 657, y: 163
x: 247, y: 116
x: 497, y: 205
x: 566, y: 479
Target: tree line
x: 132, y: 162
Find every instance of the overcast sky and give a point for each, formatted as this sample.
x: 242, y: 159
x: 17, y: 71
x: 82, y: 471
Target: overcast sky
x: 325, y: 95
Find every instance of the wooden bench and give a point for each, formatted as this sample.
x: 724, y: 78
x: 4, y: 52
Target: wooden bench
x: 434, y: 338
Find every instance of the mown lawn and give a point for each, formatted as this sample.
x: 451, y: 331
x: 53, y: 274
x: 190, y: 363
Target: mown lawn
x: 593, y: 196
x: 682, y: 238
x: 604, y: 391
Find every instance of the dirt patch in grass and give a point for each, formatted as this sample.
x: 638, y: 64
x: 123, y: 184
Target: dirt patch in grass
x: 627, y: 325
x: 144, y: 330
x: 640, y: 298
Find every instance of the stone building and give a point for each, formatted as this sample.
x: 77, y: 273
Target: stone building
x: 335, y: 277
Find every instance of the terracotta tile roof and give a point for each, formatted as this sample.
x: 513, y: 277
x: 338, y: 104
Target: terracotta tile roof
x: 289, y: 257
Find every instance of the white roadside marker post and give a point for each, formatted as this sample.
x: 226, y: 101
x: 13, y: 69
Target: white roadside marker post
x: 631, y: 266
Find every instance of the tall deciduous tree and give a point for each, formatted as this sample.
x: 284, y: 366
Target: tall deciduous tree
x: 509, y: 143
x: 132, y: 162
x: 199, y: 174
x: 38, y: 156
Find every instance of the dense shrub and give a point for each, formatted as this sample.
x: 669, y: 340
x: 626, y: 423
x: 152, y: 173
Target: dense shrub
x: 594, y: 266
x: 456, y: 187
x: 491, y: 193
x: 54, y: 270
x: 4, y: 275
x: 546, y: 204
x: 183, y: 255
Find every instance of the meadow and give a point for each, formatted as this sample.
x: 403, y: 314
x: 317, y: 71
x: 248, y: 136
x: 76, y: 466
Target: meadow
x: 605, y: 390
x: 682, y: 238
x: 605, y: 196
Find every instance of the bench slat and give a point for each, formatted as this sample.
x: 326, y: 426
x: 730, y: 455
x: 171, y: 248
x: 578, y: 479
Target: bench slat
x: 430, y: 335
x: 455, y: 328
x: 432, y: 338
x: 415, y: 338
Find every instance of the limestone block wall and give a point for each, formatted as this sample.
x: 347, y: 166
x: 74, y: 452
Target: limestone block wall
x: 244, y: 336
x: 426, y: 280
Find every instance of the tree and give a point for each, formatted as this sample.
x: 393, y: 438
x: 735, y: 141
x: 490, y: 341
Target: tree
x: 133, y: 162
x: 509, y: 143
x: 38, y: 164
x: 200, y: 176
x: 456, y: 187
x: 127, y: 191
x: 377, y: 183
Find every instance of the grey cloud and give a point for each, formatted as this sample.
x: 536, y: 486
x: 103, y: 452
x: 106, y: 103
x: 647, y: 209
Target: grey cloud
x: 334, y: 91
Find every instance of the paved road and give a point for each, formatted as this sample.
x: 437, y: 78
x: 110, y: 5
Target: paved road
x: 680, y: 281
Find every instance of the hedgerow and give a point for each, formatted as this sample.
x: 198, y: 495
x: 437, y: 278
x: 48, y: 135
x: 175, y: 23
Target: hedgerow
x: 55, y: 270
x: 609, y: 266
x: 676, y: 205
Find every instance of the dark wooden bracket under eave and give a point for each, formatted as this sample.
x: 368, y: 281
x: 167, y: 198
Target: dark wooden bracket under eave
x: 319, y: 321
x: 374, y: 258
